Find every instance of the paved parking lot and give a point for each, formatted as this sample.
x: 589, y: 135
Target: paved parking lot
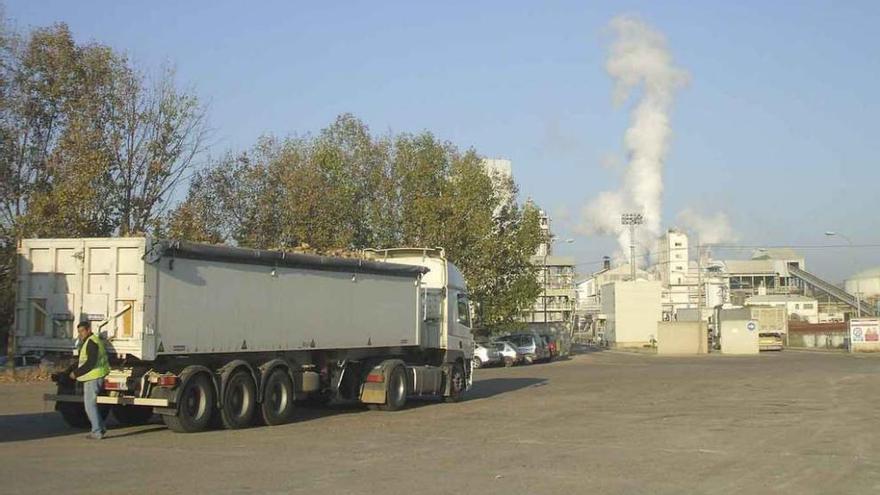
x: 608, y: 422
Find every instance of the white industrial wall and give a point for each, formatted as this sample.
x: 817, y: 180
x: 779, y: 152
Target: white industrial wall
x: 739, y: 337
x: 632, y: 311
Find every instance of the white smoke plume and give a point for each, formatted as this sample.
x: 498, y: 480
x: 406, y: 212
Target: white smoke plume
x: 711, y: 229
x: 639, y: 62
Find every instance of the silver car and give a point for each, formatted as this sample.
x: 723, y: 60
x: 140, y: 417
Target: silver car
x: 485, y: 354
x: 509, y: 354
x: 531, y: 347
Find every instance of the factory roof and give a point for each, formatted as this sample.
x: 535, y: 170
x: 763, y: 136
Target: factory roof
x: 554, y: 260
x: 776, y: 254
x: 772, y: 298
x: 762, y: 266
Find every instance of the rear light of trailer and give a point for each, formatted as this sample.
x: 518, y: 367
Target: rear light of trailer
x: 114, y: 385
x: 376, y: 378
x: 167, y: 381
x: 164, y: 380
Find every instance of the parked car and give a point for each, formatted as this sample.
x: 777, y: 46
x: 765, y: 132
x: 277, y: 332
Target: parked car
x: 509, y: 354
x: 22, y: 361
x: 552, y: 348
x: 532, y: 347
x: 485, y: 354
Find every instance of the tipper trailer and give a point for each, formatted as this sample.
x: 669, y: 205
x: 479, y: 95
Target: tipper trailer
x: 204, y: 334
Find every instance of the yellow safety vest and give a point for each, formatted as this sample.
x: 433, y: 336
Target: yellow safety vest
x: 102, y: 365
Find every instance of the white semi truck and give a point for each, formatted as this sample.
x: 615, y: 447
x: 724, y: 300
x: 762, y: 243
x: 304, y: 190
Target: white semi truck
x: 204, y: 334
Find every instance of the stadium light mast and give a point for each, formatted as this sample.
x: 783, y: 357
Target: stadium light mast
x: 632, y: 219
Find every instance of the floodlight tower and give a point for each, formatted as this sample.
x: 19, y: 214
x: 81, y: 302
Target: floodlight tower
x: 632, y: 219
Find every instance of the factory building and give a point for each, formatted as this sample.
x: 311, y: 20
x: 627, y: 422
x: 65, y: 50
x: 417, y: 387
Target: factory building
x: 591, y: 318
x: 688, y: 284
x: 553, y: 310
x: 782, y: 271
x: 797, y: 307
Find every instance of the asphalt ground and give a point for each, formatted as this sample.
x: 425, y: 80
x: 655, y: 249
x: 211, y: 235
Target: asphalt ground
x: 603, y: 422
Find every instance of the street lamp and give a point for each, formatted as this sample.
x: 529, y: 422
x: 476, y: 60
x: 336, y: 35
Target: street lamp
x: 831, y: 233
x: 632, y: 219
x: 550, y: 241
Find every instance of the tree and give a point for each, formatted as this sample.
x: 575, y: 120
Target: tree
x: 88, y: 147
x: 345, y: 189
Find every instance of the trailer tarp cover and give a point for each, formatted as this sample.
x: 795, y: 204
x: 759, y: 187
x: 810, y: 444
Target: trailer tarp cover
x: 208, y: 252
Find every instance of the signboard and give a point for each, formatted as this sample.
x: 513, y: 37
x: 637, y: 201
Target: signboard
x: 864, y: 332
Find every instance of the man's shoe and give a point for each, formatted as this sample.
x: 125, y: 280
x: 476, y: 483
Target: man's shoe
x: 95, y: 436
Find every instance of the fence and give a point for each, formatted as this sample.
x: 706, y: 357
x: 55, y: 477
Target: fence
x: 818, y: 335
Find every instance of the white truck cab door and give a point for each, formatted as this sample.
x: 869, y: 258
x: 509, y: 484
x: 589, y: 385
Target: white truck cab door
x: 460, y: 337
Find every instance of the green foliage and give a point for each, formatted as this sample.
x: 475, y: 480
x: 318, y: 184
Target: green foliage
x: 88, y: 147
x: 91, y: 146
x: 345, y: 189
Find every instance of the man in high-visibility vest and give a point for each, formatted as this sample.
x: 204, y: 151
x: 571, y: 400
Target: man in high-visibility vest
x: 93, y: 367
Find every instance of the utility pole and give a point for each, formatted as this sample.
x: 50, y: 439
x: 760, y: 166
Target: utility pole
x: 632, y: 219
x: 700, y: 280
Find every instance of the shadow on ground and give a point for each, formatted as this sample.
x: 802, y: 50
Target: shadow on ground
x: 48, y: 424
x: 491, y: 387
x: 33, y: 426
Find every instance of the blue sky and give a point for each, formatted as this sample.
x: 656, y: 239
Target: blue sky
x: 775, y: 127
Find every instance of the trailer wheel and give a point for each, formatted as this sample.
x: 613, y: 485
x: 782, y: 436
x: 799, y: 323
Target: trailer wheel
x: 456, y: 383
x: 133, y: 415
x: 239, y: 401
x: 74, y: 413
x: 395, y: 393
x: 194, y: 406
x: 277, y: 404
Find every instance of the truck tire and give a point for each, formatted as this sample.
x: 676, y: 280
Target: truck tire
x: 277, y: 405
x: 133, y: 415
x: 456, y: 383
x: 239, y: 401
x: 478, y: 363
x: 395, y: 392
x: 194, y: 406
x: 74, y: 414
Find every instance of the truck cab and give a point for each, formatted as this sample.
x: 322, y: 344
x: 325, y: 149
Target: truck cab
x: 445, y: 311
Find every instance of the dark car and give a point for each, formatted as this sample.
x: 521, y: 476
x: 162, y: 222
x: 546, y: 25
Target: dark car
x: 532, y: 347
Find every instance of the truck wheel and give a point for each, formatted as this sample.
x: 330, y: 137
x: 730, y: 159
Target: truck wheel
x: 277, y: 404
x: 456, y: 383
x: 478, y: 363
x: 194, y: 406
x: 395, y: 393
x: 239, y: 401
x: 133, y: 415
x: 74, y: 414
x: 509, y: 361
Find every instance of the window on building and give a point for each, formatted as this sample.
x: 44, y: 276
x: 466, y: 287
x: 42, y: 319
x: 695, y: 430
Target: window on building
x: 808, y: 305
x: 677, y: 244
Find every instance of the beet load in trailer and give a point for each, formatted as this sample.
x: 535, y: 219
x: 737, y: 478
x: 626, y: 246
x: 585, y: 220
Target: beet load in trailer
x: 204, y: 334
